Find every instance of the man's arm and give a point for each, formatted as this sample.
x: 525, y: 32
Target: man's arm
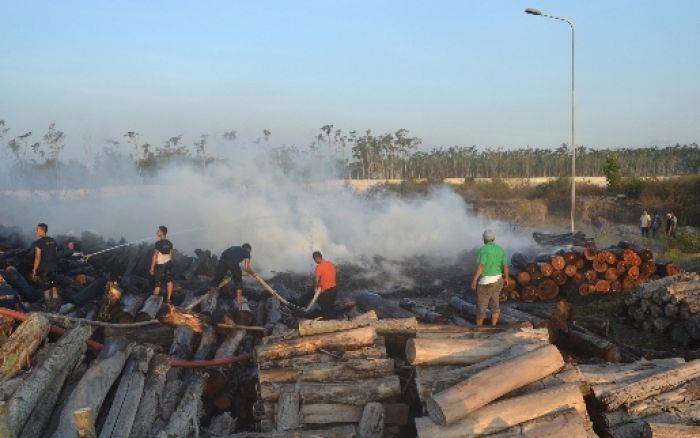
x: 154, y: 258
x: 247, y: 268
x: 477, y: 274
x: 37, y: 260
x: 506, y: 274
x: 317, y: 282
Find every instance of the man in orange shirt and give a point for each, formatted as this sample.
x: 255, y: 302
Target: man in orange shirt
x: 324, y: 286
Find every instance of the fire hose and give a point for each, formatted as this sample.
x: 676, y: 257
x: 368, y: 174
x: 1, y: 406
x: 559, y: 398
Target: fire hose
x: 96, y: 347
x: 276, y: 294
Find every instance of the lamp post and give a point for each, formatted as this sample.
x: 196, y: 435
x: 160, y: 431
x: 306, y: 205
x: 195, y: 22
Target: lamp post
x: 533, y: 11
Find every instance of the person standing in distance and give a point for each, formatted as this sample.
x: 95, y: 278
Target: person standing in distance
x: 490, y: 276
x: 161, y: 263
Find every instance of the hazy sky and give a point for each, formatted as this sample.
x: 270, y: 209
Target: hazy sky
x: 453, y: 72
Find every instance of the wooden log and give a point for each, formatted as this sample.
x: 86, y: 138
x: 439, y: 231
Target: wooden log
x: 633, y: 272
x: 395, y: 326
x: 686, y: 414
x: 602, y: 286
x: 547, y: 290
x: 175, y: 317
x: 71, y: 382
x: 157, y: 334
x: 372, y: 421
x: 467, y: 351
x: 310, y: 327
x: 95, y: 384
x: 150, y: 308
x: 482, y: 388
x: 207, y: 344
x: 559, y: 277
x: 528, y: 294
x: 342, y: 431
x: 578, y: 278
x: 221, y: 426
x: 384, y: 308
x: 182, y: 348
x: 523, y: 278
x: 125, y: 404
x: 590, y: 275
x: 370, y: 352
x: 130, y: 306
x: 84, y: 423
x: 329, y: 372
x: 570, y: 270
x: 349, y: 339
x: 425, y: 313
x: 327, y: 413
x: 569, y: 374
x: 558, y: 263
x: 186, y: 416
x: 228, y: 348
x: 433, y: 379
x: 589, y: 253
x: 110, y: 301
x: 353, y: 393
x: 150, y: 403
x: 8, y: 387
x: 4, y: 426
x: 287, y: 416
x: 611, y: 274
x: 504, y: 414
x: 671, y: 400
x: 589, y: 343
x: 660, y: 430
x: 16, y: 352
x: 546, y: 269
x: 43, y: 386
x: 599, y: 266
x: 649, y: 386
x: 568, y: 423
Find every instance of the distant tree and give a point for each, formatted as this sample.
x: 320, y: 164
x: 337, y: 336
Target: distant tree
x: 200, y: 148
x: 266, y: 135
x: 230, y: 135
x: 611, y: 170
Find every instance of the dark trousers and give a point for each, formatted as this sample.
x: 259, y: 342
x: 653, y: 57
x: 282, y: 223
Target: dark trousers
x: 645, y: 231
x: 225, y: 266
x: 326, y: 300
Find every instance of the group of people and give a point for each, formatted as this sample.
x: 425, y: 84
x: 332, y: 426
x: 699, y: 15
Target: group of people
x: 651, y: 224
x: 234, y: 261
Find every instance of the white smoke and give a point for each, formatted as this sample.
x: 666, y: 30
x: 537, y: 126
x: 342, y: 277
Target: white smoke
x: 284, y: 218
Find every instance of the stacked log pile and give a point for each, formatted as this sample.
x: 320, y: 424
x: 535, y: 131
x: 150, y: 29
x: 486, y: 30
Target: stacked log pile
x: 503, y: 382
x: 332, y: 378
x: 584, y: 271
x: 658, y: 396
x: 669, y: 306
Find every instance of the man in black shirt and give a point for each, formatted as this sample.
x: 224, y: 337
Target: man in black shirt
x: 46, y: 265
x: 230, y: 261
x: 161, y: 263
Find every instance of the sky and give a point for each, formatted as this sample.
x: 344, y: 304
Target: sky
x: 452, y: 72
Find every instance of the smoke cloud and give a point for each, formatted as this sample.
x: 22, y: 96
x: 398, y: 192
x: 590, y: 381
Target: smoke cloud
x: 284, y: 215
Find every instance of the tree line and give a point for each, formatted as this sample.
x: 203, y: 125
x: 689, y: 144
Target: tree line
x: 354, y: 154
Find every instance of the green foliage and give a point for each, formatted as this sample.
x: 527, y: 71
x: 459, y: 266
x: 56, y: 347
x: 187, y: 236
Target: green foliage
x: 687, y: 241
x: 632, y: 187
x: 611, y: 170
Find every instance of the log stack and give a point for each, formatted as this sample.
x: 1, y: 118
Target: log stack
x: 626, y: 398
x: 668, y: 306
x: 331, y: 374
x: 469, y: 387
x: 585, y: 271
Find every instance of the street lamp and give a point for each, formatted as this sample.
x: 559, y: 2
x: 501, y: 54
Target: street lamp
x: 533, y: 11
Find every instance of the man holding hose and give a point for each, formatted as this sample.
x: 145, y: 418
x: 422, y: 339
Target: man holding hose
x: 490, y: 276
x: 230, y: 261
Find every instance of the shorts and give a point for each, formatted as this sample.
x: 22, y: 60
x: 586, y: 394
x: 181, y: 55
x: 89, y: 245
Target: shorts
x: 224, y: 267
x: 163, y: 273
x: 487, y: 296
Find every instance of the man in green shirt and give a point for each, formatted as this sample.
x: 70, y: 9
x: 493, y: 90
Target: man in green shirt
x: 490, y: 276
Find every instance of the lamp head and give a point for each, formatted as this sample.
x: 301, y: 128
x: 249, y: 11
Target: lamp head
x: 533, y: 11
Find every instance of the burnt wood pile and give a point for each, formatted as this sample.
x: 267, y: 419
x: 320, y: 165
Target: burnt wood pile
x: 668, y: 306
x: 657, y: 398
x: 496, y: 382
x: 333, y: 378
x: 582, y: 271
